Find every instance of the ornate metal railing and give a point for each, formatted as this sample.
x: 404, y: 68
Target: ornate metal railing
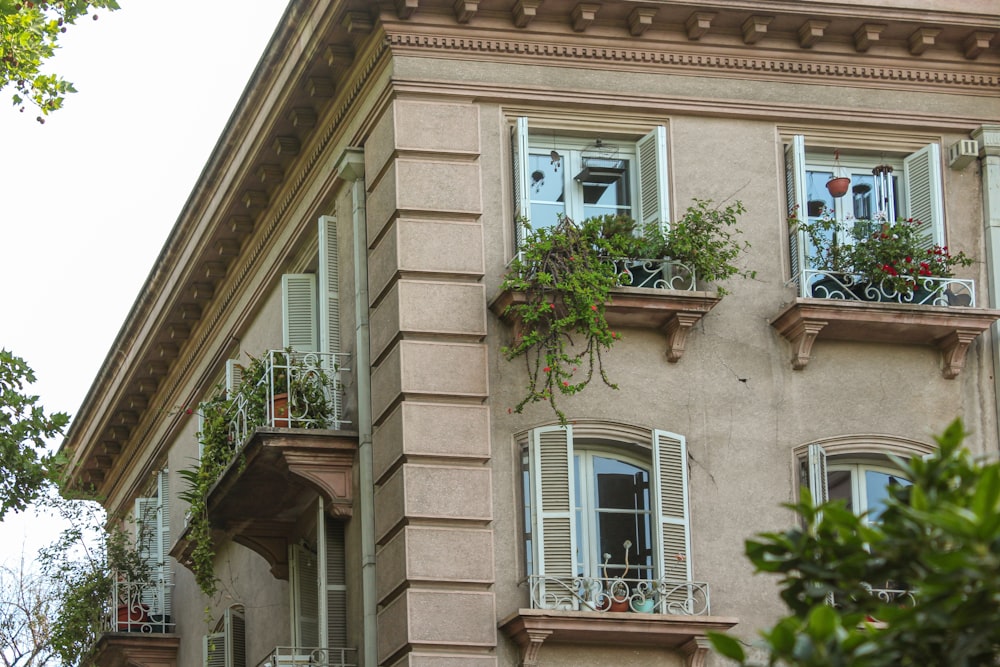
x: 292, y: 385
x: 655, y: 273
x: 893, y: 596
x: 138, y: 606
x: 297, y: 656
x: 925, y: 292
x: 654, y: 596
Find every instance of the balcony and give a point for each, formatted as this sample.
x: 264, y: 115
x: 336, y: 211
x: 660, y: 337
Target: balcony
x: 285, y: 432
x: 654, y: 294
x: 293, y: 656
x: 619, y: 611
x: 939, y: 312
x: 136, y: 626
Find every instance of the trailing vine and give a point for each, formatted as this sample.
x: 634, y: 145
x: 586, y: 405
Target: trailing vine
x: 566, y: 274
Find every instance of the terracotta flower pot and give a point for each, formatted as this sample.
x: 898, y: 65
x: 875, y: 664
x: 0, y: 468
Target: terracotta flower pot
x: 279, y: 411
x: 838, y: 186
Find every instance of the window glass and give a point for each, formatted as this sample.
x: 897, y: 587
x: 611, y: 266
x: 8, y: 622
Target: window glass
x: 864, y: 487
x: 547, y: 190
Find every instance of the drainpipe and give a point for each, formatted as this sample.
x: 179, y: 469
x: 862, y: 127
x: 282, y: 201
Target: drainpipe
x: 351, y: 167
x: 988, y: 139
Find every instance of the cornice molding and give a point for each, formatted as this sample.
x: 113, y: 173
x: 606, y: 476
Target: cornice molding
x: 530, y: 51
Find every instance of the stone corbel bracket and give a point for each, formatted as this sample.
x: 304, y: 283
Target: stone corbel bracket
x: 949, y: 329
x: 672, y: 312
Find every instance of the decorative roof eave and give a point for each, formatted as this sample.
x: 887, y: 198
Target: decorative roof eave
x: 278, y: 108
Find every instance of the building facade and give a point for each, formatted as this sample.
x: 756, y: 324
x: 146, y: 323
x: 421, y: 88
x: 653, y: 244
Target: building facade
x: 361, y: 210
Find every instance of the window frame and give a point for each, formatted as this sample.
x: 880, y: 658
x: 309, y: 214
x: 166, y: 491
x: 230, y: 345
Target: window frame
x: 649, y: 169
x: 920, y: 194
x: 550, y: 509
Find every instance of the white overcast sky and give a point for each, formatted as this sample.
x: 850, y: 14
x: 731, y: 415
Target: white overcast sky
x: 87, y: 199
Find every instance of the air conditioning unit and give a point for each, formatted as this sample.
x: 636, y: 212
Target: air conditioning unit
x: 961, y: 153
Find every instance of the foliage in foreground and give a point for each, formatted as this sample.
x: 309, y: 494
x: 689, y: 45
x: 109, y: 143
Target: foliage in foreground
x: 25, y: 464
x: 939, y: 538
x: 29, y: 35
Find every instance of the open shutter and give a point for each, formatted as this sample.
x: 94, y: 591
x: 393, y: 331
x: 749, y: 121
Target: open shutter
x: 147, y: 540
x: 214, y: 649
x: 553, y: 525
x: 672, y: 525
x: 234, y: 376
x: 924, y: 197
x: 236, y: 639
x: 336, y: 586
x: 166, y: 574
x: 305, y: 600
x: 521, y: 187
x: 818, y: 484
x: 795, y: 201
x: 329, y: 284
x: 654, y: 197
x: 298, y: 312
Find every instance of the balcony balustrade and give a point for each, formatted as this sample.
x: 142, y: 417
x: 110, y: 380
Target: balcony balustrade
x: 286, y: 394
x: 853, y: 287
x: 139, y: 606
x: 296, y: 656
x: 656, y: 596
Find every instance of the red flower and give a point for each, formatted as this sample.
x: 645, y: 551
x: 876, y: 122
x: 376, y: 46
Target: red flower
x: 565, y: 383
x: 547, y: 369
x: 593, y: 307
x: 552, y: 306
x: 189, y: 411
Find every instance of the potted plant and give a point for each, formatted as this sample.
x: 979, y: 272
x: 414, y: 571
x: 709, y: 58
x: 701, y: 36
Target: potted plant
x: 566, y: 274
x: 876, y: 260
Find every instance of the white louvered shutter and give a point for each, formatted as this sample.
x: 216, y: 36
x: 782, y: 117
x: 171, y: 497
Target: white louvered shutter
x: 298, y: 311
x: 147, y: 540
x: 924, y: 197
x: 553, y: 520
x: 336, y: 585
x: 816, y: 465
x: 214, y: 649
x: 795, y: 200
x: 305, y: 591
x: 234, y: 376
x: 329, y: 285
x: 654, y: 191
x: 521, y: 187
x: 166, y: 574
x: 672, y: 524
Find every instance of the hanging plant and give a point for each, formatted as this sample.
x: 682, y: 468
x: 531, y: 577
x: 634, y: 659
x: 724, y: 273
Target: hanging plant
x: 566, y: 274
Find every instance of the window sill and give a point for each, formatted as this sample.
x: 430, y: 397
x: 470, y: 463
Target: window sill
x: 669, y: 311
x: 949, y: 329
x: 530, y: 628
x: 259, y: 498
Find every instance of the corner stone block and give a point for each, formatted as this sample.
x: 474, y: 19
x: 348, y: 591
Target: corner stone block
x: 438, y: 618
x: 431, y: 186
x: 426, y: 246
x: 436, y: 127
x: 433, y: 492
x: 431, y: 554
x: 431, y: 429
x: 429, y: 307
x: 430, y: 369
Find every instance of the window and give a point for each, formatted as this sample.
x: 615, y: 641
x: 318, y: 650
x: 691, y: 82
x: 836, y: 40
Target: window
x: 226, y: 647
x: 584, y: 177
x: 859, y: 475
x: 913, y: 189
x: 606, y: 520
x: 310, y: 302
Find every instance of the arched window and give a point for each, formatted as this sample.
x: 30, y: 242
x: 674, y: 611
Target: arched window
x: 606, y: 519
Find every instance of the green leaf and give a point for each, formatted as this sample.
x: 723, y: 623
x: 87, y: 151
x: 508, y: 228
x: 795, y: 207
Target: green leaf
x: 727, y: 646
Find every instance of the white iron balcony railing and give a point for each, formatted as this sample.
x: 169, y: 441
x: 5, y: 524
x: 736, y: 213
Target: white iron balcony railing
x: 652, y: 596
x: 298, y: 390
x: 852, y: 287
x: 655, y: 273
x: 299, y: 656
x: 139, y: 606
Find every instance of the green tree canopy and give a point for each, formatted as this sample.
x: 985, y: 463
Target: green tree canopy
x: 936, y: 544
x: 25, y: 463
x: 29, y: 35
